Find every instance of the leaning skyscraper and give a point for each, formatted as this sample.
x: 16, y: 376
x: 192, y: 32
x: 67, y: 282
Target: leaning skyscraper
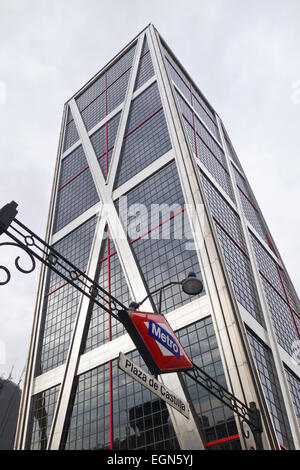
x: 148, y: 188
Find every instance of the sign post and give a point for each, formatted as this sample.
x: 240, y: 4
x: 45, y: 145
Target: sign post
x: 152, y: 384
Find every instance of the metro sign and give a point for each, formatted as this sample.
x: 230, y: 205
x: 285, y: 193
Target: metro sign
x: 156, y: 342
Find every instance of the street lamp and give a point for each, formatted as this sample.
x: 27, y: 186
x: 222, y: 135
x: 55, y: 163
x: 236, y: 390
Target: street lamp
x: 191, y: 285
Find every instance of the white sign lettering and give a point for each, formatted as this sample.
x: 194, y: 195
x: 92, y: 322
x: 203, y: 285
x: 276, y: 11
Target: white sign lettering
x: 153, y: 385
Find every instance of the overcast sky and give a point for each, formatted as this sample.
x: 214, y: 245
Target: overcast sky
x: 243, y: 55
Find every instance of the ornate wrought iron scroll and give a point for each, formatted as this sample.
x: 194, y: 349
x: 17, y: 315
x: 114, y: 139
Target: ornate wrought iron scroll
x: 36, y: 248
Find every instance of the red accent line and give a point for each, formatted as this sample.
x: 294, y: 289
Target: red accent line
x: 158, y: 225
x: 120, y: 76
x: 89, y: 104
x: 287, y: 299
x: 194, y: 124
x: 109, y: 339
x: 270, y: 244
x: 231, y: 238
x: 110, y: 406
x: 105, y: 77
x: 108, y: 276
x: 254, y: 207
x: 107, y: 257
x: 104, y: 153
x: 176, y: 72
x: 62, y: 285
x: 71, y: 120
x: 145, y: 53
x: 141, y: 123
x: 59, y: 287
x: 277, y: 292
x: 283, y: 447
x: 205, y: 111
x: 220, y: 441
x: 106, y: 130
x: 125, y: 71
x: 81, y: 171
x: 106, y: 141
x: 263, y: 275
x: 284, y: 289
x: 192, y: 93
x: 73, y: 178
x: 210, y: 150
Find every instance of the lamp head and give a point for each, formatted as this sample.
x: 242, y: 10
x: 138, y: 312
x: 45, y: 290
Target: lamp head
x: 191, y: 285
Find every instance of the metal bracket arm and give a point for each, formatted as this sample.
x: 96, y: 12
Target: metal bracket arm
x: 249, y: 415
x: 36, y: 248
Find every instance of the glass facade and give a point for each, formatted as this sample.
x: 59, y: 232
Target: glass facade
x: 103, y: 142
x: 204, y: 142
x: 76, y: 192
x: 162, y: 248
x: 41, y: 415
x: 61, y: 299
x: 146, y: 138
x: 113, y: 411
x: 270, y: 383
x: 101, y: 326
x: 217, y: 420
x: 107, y: 92
x: 294, y: 385
x: 128, y: 120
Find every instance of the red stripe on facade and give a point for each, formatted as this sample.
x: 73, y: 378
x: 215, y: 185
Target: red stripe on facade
x: 105, y: 79
x: 109, y: 339
x: 231, y: 238
x: 73, y: 178
x: 104, y: 153
x: 156, y: 226
x: 106, y: 144
x: 263, y: 275
x: 194, y: 124
x: 283, y: 286
x: 250, y: 202
x: 191, y: 92
x: 283, y: 447
x: 108, y: 279
x: 85, y: 168
x: 63, y: 285
x: 145, y: 120
x: 105, y: 89
x: 216, y: 126
x: 132, y: 241
x: 106, y: 129
x: 270, y: 244
x: 210, y: 150
x: 107, y: 257
x: 145, y: 233
x: 287, y: 300
x: 277, y: 292
x: 145, y: 53
x: 176, y: 71
x: 220, y: 441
